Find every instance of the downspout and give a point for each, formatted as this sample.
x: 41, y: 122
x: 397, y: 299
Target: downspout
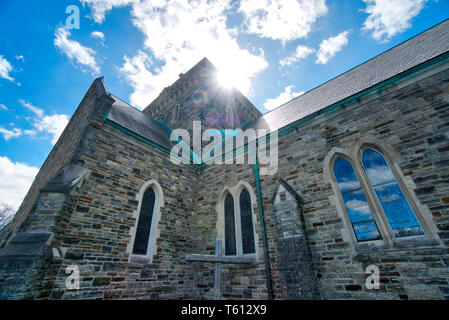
x: 262, y: 224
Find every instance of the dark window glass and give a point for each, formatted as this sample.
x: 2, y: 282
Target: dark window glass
x: 359, y: 212
x: 398, y: 211
x: 144, y: 225
x: 246, y: 218
x: 230, y: 247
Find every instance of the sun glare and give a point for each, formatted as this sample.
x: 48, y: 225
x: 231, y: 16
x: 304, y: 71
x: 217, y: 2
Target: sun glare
x: 226, y: 80
x: 233, y: 77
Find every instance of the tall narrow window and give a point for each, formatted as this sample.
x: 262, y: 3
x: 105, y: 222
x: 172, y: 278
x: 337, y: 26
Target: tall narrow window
x: 230, y: 243
x: 229, y: 117
x: 144, y: 224
x: 176, y: 112
x: 246, y: 219
x: 396, y: 207
x: 357, y: 207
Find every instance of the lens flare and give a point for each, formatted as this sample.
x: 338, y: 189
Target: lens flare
x: 226, y: 79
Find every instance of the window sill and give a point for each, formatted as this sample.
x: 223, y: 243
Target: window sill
x: 224, y: 259
x: 418, y: 242
x: 140, y: 259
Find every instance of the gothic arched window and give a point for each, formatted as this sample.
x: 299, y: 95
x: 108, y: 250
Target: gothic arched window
x: 377, y: 201
x: 176, y: 112
x: 144, y: 225
x: 229, y: 222
x: 229, y: 117
x: 399, y: 214
x: 357, y: 207
x: 246, y: 221
x: 236, y: 221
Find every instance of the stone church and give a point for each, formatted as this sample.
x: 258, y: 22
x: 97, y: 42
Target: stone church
x: 358, y: 207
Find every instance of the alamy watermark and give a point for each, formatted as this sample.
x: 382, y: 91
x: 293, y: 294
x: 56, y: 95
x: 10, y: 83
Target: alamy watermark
x: 373, y: 281
x: 228, y: 146
x: 73, y: 20
x: 73, y: 280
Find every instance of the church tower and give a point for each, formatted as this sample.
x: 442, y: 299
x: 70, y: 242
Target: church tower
x: 197, y: 96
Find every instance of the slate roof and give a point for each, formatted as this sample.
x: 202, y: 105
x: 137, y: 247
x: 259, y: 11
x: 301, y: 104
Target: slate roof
x: 411, y: 53
x: 139, y: 123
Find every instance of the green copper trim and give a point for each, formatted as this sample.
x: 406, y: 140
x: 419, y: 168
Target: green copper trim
x: 262, y: 225
x: 197, y: 160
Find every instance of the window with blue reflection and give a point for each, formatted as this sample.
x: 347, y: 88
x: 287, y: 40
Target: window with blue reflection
x: 230, y: 242
x: 359, y: 212
x: 396, y: 207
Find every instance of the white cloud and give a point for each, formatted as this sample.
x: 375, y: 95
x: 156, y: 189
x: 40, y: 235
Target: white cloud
x: 3, y: 107
x: 141, y: 79
x: 30, y: 132
x: 282, y: 19
x: 380, y: 175
x: 21, y: 58
x: 39, y: 112
x: 349, y: 186
x: 301, y: 53
x: 388, y: 18
x: 53, y: 125
x: 180, y: 33
x: 98, y: 35
x: 284, y: 97
x: 330, y: 47
x: 9, y: 134
x: 5, y: 69
x: 361, y: 207
x: 15, y: 180
x: 75, y: 51
x: 99, y: 7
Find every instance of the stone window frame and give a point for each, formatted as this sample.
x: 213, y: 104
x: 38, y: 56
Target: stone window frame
x: 154, y: 230
x: 389, y: 241
x: 235, y: 193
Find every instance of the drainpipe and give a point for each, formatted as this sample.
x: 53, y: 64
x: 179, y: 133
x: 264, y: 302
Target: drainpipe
x: 262, y: 224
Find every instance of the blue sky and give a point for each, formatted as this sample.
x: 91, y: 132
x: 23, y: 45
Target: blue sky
x: 271, y: 50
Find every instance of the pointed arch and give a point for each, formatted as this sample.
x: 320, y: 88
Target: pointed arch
x: 243, y: 199
x: 229, y: 226
x: 387, y: 192
x: 144, y: 223
x: 355, y: 202
x: 145, y: 231
x: 246, y: 222
x: 395, y: 206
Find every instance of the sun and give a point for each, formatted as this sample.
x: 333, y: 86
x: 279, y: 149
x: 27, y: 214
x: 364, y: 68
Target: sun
x: 226, y: 79
x: 231, y: 77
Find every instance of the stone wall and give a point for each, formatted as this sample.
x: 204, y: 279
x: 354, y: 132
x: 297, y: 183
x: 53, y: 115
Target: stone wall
x: 237, y: 281
x: 412, y: 120
x: 97, y: 236
x: 61, y: 154
x: 294, y: 273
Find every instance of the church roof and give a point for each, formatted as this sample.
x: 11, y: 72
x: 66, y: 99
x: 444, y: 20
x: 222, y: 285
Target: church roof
x: 407, y: 55
x: 129, y: 118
